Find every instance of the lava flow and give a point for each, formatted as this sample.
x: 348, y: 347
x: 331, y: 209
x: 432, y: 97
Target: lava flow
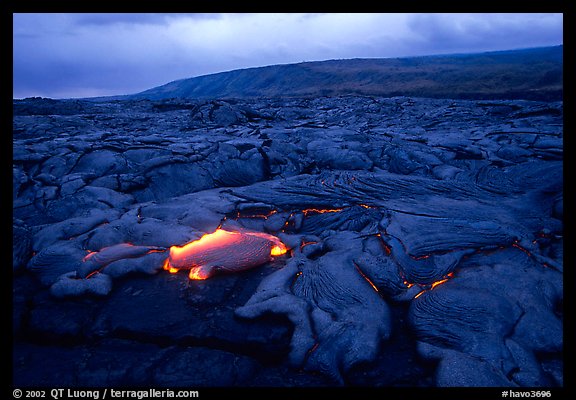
x: 224, y: 251
x: 432, y: 285
x: 320, y: 210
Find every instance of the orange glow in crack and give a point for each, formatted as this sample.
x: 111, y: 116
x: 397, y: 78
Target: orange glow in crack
x: 432, y: 285
x: 366, y: 278
x: 438, y: 283
x: 168, y: 268
x: 320, y: 211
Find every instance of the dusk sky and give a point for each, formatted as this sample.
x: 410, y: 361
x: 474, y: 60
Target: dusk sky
x: 84, y: 55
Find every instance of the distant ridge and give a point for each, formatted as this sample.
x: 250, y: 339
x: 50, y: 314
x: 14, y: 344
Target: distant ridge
x: 532, y: 74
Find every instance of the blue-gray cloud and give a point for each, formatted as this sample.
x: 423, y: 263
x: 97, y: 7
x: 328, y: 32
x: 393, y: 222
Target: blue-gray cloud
x: 80, y: 55
x: 102, y: 19
x: 457, y: 32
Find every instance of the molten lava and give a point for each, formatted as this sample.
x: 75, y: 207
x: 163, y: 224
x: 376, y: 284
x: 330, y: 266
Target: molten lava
x: 224, y: 251
x: 433, y: 285
x: 320, y: 211
x: 366, y: 278
x: 278, y: 250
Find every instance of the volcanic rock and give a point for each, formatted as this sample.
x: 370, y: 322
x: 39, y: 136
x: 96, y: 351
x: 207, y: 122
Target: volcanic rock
x: 425, y: 242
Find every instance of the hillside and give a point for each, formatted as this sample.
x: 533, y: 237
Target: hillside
x: 533, y: 74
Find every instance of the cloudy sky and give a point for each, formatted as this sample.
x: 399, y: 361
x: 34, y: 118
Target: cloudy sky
x: 83, y: 55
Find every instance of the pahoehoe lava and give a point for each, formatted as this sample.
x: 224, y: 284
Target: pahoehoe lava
x: 423, y: 241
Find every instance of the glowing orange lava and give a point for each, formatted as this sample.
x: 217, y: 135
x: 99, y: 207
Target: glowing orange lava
x: 256, y: 216
x: 224, y: 250
x: 89, y: 255
x: 278, y: 250
x: 516, y: 245
x: 432, y: 285
x: 438, y: 283
x: 320, y: 211
x: 197, y: 274
x: 168, y: 268
x: 220, y: 238
x: 387, y: 248
x: 366, y: 278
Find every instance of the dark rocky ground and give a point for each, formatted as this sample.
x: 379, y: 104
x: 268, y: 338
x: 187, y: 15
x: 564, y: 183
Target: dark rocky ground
x: 381, y: 200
